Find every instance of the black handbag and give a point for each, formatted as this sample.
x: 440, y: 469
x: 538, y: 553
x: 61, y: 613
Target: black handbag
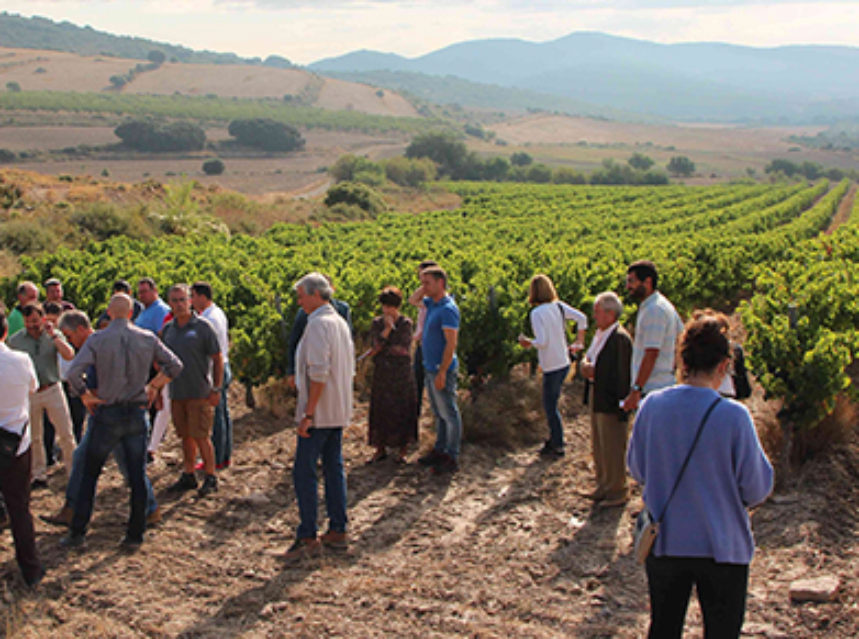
x: 9, y: 443
x: 646, y: 525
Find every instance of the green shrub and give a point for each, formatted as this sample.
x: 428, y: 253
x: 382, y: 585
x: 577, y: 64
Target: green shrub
x: 7, y: 156
x: 348, y: 166
x: 148, y: 135
x: 213, y: 167
x: 266, y: 134
x: 102, y: 220
x: 22, y: 237
x: 410, y: 172
x: 356, y: 194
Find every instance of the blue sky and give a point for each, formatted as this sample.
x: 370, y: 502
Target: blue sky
x: 307, y: 30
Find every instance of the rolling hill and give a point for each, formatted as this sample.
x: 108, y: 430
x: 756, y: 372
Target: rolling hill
x: 690, y: 81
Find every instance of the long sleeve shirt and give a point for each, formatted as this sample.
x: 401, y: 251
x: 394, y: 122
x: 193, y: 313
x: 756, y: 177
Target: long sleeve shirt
x: 727, y: 473
x: 19, y: 381
x: 326, y: 354
x: 122, y: 355
x: 550, y: 338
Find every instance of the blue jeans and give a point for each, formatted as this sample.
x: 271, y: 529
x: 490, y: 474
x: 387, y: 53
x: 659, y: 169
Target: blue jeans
x: 448, y: 434
x: 328, y: 443
x: 114, y: 425
x: 74, y: 485
x: 222, y: 430
x: 552, y: 383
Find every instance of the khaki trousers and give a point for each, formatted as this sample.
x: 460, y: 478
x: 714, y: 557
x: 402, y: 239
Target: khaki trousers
x: 52, y: 401
x: 608, y: 438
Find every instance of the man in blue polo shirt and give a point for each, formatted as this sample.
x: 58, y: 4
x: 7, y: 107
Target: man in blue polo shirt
x: 154, y: 308
x: 438, y: 343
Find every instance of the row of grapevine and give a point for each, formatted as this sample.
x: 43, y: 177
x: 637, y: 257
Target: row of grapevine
x: 803, y: 323
x: 706, y: 241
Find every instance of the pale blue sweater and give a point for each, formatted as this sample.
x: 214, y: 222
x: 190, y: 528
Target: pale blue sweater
x: 728, y: 473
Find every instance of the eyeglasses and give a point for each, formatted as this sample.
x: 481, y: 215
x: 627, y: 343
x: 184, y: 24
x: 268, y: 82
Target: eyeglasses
x: 178, y: 299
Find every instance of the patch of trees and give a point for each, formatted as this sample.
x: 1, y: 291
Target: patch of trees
x: 681, y: 165
x: 266, y: 134
x: 344, y: 197
x: 156, y: 59
x: 808, y: 170
x: 13, y: 87
x: 149, y: 135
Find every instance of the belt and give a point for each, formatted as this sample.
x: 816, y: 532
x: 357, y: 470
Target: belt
x: 45, y: 387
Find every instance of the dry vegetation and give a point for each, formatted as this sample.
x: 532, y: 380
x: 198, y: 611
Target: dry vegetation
x: 69, y: 72
x: 504, y: 548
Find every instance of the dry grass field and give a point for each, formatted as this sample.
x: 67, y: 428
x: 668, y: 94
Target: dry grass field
x: 504, y: 548
x: 37, y: 70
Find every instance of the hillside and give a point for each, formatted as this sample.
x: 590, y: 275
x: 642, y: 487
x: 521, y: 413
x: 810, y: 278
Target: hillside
x: 35, y: 70
x: 689, y: 81
x: 42, y: 33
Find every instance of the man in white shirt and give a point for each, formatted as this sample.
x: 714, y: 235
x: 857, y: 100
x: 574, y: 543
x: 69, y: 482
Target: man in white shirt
x: 325, y: 366
x: 222, y: 429
x: 657, y: 328
x: 19, y: 382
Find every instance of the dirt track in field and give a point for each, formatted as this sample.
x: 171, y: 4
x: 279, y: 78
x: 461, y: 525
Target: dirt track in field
x: 504, y: 548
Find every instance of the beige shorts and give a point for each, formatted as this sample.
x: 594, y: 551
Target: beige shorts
x: 192, y: 417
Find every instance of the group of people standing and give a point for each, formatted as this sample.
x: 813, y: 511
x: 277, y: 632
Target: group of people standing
x: 698, y: 482
x: 121, y: 370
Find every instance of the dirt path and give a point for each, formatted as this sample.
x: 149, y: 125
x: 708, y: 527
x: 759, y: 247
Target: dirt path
x: 845, y: 208
x: 504, y: 548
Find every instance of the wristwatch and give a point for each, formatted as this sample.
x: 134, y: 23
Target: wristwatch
x: 636, y: 387
x: 308, y: 416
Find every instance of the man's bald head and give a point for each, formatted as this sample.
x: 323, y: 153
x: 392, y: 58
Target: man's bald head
x: 120, y: 306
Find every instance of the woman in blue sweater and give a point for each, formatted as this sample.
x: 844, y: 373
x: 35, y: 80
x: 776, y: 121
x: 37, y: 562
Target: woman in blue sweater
x: 705, y: 536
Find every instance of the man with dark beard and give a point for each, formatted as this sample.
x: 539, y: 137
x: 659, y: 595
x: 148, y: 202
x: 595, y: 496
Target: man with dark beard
x: 657, y: 328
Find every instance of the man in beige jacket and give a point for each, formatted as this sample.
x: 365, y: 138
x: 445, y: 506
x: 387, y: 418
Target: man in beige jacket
x: 325, y: 366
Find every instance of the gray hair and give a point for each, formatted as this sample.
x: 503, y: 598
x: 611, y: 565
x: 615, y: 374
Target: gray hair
x: 179, y: 288
x: 609, y: 301
x: 315, y: 283
x: 73, y: 320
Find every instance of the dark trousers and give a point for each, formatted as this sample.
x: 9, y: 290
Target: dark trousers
x: 15, y: 485
x: 418, y: 366
x: 721, y: 590
x: 328, y: 444
x: 115, y: 425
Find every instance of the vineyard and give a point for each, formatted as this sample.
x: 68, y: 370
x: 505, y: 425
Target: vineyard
x: 713, y: 245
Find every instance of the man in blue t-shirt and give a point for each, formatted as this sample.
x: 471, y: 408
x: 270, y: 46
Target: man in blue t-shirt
x: 154, y: 309
x: 438, y: 343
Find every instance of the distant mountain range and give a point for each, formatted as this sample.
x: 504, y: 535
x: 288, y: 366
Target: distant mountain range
x: 42, y: 33
x: 695, y: 81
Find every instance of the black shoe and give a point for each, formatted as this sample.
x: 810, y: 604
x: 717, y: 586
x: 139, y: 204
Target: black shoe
x: 38, y: 484
x: 73, y: 540
x: 551, y: 451
x: 445, y: 464
x: 186, y: 481
x: 431, y: 458
x: 210, y: 485
x: 130, y: 543
x: 36, y: 579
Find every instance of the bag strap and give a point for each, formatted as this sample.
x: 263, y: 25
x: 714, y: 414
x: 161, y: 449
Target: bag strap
x: 688, y: 457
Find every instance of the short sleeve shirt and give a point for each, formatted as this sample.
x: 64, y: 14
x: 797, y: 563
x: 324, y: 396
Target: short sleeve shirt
x: 657, y: 326
x: 440, y: 315
x: 152, y: 317
x: 194, y: 343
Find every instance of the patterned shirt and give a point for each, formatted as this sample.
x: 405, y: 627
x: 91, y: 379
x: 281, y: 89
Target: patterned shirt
x: 657, y: 326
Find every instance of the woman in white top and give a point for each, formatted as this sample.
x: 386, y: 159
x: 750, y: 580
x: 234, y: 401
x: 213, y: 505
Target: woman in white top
x: 549, y: 321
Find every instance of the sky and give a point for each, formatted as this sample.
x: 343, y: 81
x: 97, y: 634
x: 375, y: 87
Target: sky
x: 304, y: 31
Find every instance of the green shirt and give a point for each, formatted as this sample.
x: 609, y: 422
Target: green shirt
x: 15, y: 321
x: 42, y: 352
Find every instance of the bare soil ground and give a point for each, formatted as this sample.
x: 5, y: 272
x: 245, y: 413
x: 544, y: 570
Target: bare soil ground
x: 506, y: 547
x: 249, y: 173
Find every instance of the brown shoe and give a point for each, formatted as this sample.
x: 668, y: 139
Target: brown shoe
x: 594, y: 495
x: 308, y: 547
x: 154, y: 517
x: 335, y: 540
x: 614, y: 501
x: 61, y: 518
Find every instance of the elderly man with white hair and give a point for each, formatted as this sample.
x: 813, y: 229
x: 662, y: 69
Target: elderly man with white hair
x: 325, y: 366
x: 607, y: 365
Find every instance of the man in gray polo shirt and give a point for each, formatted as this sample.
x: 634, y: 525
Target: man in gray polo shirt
x: 122, y: 355
x: 197, y: 391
